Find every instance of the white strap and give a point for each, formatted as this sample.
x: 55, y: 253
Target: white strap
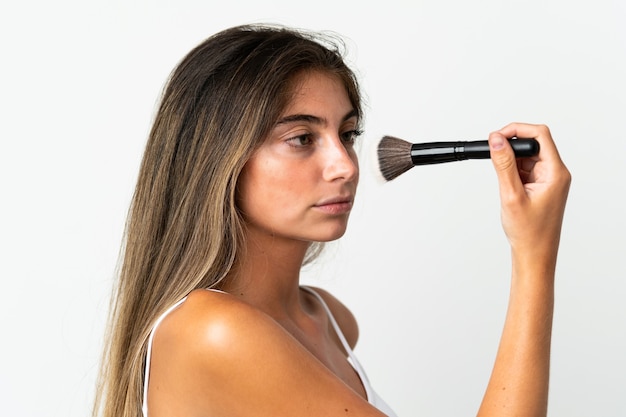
x: 351, y: 356
x: 146, y: 377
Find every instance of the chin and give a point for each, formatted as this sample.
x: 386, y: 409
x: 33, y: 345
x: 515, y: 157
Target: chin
x: 330, y: 236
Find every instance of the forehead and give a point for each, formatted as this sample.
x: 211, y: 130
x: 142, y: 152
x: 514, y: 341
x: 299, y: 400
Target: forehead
x: 317, y: 87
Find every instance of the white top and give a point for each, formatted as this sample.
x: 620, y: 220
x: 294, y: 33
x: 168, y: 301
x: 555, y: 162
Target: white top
x: 372, y: 396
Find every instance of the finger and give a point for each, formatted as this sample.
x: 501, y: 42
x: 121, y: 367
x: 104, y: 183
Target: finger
x: 505, y: 163
x: 525, y: 167
x: 541, y: 133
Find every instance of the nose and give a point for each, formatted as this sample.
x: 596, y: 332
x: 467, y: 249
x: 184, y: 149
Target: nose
x: 340, y: 161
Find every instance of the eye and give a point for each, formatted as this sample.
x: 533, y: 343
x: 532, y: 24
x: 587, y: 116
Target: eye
x: 300, y: 141
x: 350, y: 136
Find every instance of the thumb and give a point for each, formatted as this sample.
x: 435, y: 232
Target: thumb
x: 503, y: 159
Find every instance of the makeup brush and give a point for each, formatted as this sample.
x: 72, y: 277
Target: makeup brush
x: 396, y: 156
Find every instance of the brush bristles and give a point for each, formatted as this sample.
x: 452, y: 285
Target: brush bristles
x: 394, y: 157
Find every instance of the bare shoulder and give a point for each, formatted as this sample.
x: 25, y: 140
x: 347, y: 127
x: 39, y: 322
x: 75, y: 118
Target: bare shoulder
x: 211, y: 321
x: 216, y: 355
x: 209, y: 316
x: 197, y: 347
x: 345, y: 319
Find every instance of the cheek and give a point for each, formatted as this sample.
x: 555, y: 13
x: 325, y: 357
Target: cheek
x: 264, y: 185
x: 280, y: 185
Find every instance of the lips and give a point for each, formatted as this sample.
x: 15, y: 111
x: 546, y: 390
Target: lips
x: 336, y: 205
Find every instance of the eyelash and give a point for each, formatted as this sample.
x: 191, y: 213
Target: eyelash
x: 348, y: 137
x: 352, y: 135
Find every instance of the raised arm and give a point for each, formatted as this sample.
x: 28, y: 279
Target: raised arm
x: 533, y: 193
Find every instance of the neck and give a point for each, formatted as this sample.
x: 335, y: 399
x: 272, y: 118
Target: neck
x: 267, y: 275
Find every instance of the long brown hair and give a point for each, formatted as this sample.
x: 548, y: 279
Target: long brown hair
x: 184, y: 231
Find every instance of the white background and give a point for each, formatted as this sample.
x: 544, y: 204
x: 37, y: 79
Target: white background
x: 424, y: 265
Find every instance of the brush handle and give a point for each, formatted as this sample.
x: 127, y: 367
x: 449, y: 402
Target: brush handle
x: 440, y: 152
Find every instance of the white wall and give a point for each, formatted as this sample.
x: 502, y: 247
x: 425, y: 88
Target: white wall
x: 424, y: 265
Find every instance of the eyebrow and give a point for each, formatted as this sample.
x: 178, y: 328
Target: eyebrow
x: 312, y: 119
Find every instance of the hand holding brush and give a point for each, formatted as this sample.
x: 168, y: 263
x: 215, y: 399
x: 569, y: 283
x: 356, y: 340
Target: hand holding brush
x: 533, y: 186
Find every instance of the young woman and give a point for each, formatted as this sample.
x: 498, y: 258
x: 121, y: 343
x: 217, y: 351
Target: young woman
x: 249, y: 166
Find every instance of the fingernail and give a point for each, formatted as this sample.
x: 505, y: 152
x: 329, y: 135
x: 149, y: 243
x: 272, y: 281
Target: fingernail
x: 497, y: 141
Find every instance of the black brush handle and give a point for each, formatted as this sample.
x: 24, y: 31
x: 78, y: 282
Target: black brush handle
x: 440, y: 152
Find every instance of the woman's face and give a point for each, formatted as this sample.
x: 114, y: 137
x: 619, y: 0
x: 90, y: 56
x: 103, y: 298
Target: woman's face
x: 300, y: 184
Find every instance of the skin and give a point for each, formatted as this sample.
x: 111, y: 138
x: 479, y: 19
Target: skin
x: 266, y: 348
x: 533, y: 193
